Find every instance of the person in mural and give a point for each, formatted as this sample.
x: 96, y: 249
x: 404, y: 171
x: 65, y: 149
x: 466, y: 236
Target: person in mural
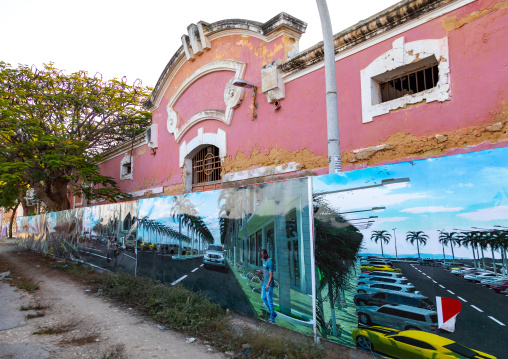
x: 268, y: 283
x: 116, y: 251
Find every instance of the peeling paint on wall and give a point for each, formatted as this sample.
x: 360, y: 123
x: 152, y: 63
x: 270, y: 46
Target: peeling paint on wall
x: 452, y: 23
x: 402, y: 145
x: 174, y: 189
x: 241, y: 162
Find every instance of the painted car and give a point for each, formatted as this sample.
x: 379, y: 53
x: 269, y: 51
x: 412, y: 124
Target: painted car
x: 381, y: 274
x: 477, y: 277
x: 401, y: 317
x: 393, y: 297
x: 461, y: 270
x: 499, y: 285
x: 383, y: 280
x: 412, y: 344
x: 379, y: 267
x: 376, y: 287
x: 214, y: 256
x: 489, y: 280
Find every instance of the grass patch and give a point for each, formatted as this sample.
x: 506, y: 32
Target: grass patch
x: 56, y: 329
x: 35, y: 306
x: 81, y: 340
x: 116, y: 352
x: 191, y: 313
x: 36, y: 315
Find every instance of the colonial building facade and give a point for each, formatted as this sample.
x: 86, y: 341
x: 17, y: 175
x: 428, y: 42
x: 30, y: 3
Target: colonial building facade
x: 239, y: 103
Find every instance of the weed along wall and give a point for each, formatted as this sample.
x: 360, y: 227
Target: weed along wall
x: 407, y: 260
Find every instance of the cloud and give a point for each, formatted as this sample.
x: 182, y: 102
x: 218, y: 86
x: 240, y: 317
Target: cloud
x: 465, y: 185
x: 487, y: 214
x: 432, y: 209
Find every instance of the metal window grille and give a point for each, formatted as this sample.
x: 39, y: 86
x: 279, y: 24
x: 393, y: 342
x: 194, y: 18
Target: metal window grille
x: 408, y: 84
x: 206, y: 166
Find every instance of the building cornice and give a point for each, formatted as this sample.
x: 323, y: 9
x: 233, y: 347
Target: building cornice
x: 394, y: 16
x: 124, y: 147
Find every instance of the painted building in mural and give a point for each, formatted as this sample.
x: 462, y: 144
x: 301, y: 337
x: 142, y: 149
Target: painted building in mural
x: 420, y: 79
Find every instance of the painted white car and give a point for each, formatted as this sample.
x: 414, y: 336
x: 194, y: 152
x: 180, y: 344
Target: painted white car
x: 477, y: 277
x: 376, y: 279
x: 488, y: 281
x: 379, y: 287
x: 460, y: 271
x: 381, y: 274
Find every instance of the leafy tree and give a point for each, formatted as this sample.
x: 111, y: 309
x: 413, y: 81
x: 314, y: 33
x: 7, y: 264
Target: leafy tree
x: 381, y: 236
x: 54, y: 127
x: 417, y: 237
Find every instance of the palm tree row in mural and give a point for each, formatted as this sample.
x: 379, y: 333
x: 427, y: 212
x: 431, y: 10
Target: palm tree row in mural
x: 195, y: 225
x: 478, y: 241
x: 481, y: 240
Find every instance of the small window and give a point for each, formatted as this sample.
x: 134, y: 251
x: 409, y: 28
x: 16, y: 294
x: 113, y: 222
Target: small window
x: 206, y: 166
x: 379, y: 296
x: 388, y: 310
x: 409, y: 84
x: 413, y: 316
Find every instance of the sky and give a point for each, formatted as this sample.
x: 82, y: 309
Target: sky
x: 136, y: 39
x: 446, y: 193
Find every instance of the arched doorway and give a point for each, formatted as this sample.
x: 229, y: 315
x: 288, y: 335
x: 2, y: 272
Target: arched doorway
x: 206, y: 169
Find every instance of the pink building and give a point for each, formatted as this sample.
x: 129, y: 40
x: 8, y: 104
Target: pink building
x: 423, y: 78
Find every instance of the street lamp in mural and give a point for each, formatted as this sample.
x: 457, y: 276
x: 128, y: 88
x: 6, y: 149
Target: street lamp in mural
x: 385, y: 182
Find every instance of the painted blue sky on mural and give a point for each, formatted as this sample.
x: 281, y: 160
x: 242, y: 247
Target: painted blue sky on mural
x: 205, y: 203
x: 446, y: 193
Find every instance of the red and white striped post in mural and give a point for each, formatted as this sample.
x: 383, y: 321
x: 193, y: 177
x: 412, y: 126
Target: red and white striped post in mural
x: 447, y: 311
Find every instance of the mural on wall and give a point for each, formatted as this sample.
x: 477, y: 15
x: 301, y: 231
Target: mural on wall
x: 420, y: 251
x: 211, y: 242
x: 104, y: 236
x: 410, y: 258
x: 109, y: 236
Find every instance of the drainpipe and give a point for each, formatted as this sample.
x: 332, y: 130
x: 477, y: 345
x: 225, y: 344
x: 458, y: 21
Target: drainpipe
x: 332, y: 109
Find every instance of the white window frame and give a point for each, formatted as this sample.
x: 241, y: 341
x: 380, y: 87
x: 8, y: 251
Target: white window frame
x: 123, y: 173
x: 404, y: 58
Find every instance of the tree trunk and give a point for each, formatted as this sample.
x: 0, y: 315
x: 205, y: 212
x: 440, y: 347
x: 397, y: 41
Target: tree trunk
x: 493, y: 259
x: 453, y: 254
x: 12, y: 219
x: 382, y: 253
x: 53, y: 194
x: 418, y: 248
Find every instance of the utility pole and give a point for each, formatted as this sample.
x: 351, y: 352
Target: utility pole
x: 332, y: 108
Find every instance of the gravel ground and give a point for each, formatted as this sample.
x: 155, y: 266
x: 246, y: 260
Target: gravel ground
x: 93, y: 326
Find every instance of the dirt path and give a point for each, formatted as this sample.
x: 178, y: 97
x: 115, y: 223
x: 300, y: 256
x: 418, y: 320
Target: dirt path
x: 93, y: 326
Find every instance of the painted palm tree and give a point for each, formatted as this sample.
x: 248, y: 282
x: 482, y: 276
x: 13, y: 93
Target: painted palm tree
x: 381, y: 236
x: 418, y: 237
x: 500, y: 242
x: 178, y: 208
x: 446, y: 238
x: 336, y: 251
x: 467, y: 239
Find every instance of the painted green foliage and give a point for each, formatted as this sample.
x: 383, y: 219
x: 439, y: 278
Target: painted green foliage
x: 54, y: 127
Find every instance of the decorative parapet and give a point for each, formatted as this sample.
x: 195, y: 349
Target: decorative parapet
x: 375, y: 25
x: 199, y: 37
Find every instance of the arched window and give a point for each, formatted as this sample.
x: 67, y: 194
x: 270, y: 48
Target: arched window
x: 206, y: 170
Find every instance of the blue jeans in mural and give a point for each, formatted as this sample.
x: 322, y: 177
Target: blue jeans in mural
x: 267, y: 298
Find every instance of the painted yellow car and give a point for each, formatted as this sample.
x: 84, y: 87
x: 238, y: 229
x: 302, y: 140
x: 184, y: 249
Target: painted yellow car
x: 376, y: 267
x: 412, y: 344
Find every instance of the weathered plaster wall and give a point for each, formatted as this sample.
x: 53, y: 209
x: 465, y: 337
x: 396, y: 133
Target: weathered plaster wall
x: 479, y: 74
x: 474, y: 118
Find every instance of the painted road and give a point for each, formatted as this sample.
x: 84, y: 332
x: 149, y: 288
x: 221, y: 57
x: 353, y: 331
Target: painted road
x: 483, y: 321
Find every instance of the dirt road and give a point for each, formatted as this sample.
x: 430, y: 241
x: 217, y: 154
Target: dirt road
x: 91, y: 326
